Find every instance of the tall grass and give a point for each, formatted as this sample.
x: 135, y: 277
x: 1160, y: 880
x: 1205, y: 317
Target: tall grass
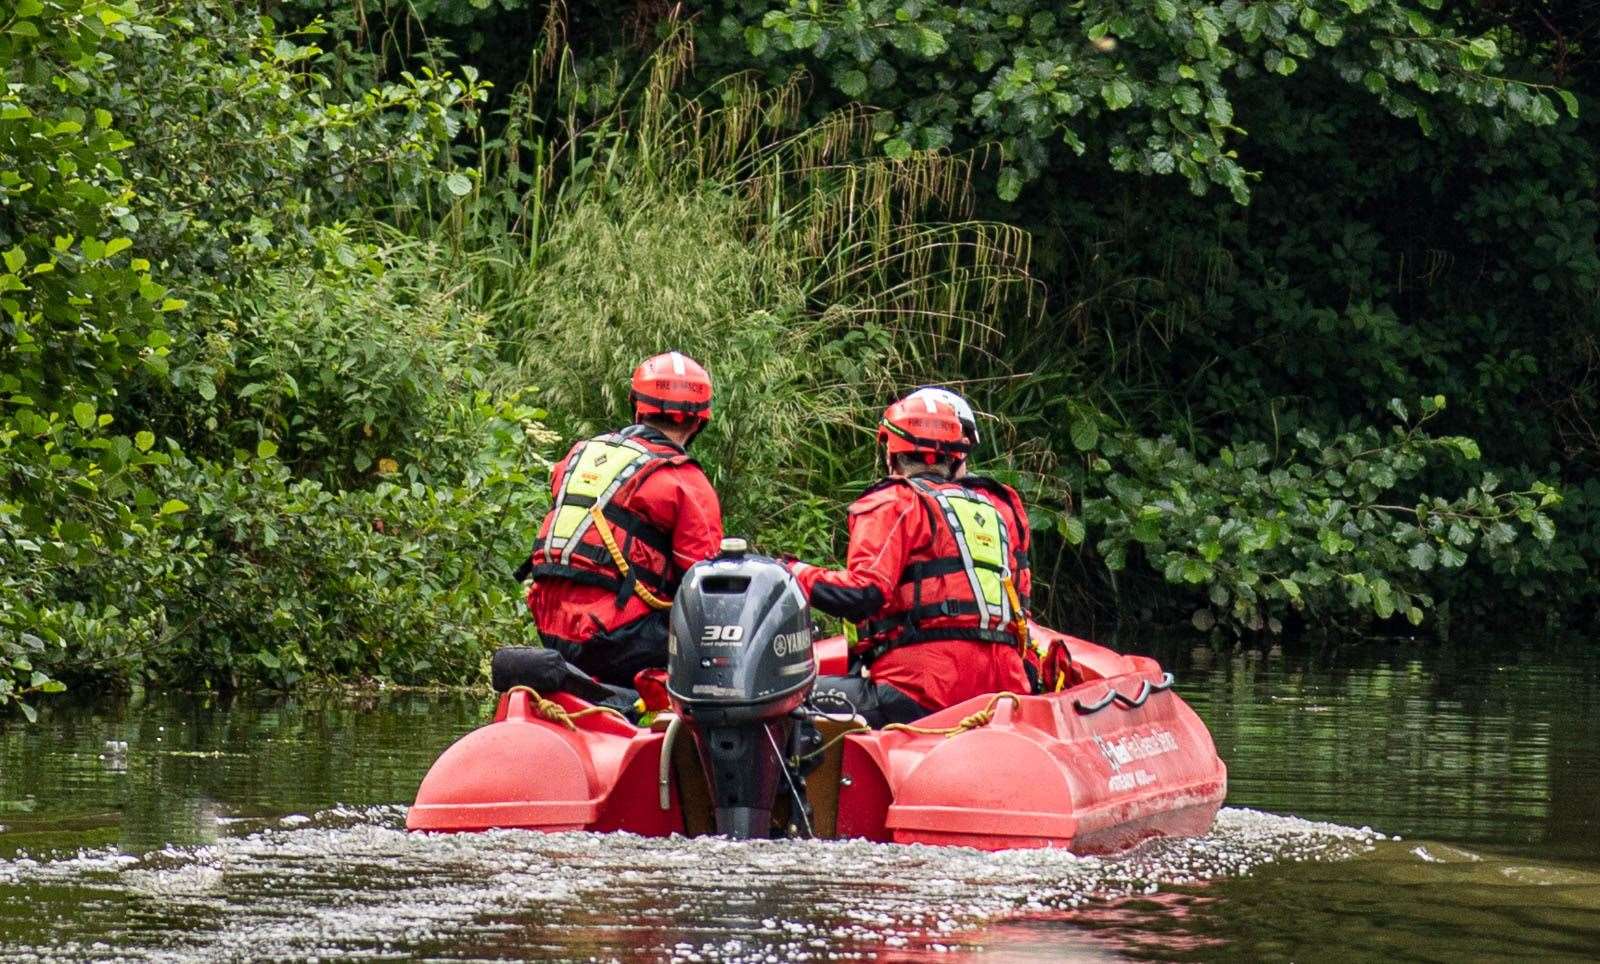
x: 814, y: 279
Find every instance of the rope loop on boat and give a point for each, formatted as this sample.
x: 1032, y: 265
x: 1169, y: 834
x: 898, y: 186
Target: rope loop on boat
x: 973, y: 722
x: 1113, y: 695
x: 556, y: 713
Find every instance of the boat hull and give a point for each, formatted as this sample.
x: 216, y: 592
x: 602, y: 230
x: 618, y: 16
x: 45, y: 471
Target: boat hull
x: 1111, y: 761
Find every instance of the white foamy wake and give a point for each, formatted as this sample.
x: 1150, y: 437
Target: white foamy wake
x: 350, y: 883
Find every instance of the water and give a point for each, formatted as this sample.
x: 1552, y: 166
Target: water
x: 272, y: 829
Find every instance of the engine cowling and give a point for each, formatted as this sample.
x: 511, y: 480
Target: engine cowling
x: 739, y: 664
x: 740, y: 641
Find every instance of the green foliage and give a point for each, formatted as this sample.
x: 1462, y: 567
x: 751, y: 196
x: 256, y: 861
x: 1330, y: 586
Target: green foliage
x: 278, y: 296
x: 1150, y: 87
x: 1325, y: 530
x: 220, y: 190
x: 812, y: 280
x: 278, y: 577
x: 80, y: 314
x: 351, y: 356
x: 116, y: 156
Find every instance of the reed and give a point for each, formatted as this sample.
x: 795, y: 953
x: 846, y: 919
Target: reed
x: 815, y: 279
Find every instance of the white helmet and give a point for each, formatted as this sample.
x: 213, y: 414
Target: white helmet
x: 969, y: 422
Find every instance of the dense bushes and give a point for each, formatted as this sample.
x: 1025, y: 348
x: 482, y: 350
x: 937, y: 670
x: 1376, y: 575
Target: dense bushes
x: 292, y: 314
x: 156, y: 151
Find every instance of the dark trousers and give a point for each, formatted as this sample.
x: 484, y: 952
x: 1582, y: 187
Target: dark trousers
x: 877, y: 703
x: 614, y: 657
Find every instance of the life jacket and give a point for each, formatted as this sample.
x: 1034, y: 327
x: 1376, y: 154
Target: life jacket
x: 592, y: 536
x: 960, y: 587
x: 1022, y: 541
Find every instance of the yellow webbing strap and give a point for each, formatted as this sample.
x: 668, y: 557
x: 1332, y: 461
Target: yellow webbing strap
x: 604, y: 528
x: 556, y: 713
x: 1019, y: 621
x: 973, y: 722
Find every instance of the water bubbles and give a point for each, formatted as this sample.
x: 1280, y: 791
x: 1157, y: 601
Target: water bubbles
x: 349, y: 882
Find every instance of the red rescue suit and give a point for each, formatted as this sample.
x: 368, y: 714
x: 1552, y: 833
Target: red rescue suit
x: 922, y: 623
x: 662, y: 516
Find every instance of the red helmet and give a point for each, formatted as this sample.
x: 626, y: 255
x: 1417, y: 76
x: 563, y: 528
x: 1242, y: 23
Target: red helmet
x: 927, y: 425
x: 962, y: 406
x: 673, y: 385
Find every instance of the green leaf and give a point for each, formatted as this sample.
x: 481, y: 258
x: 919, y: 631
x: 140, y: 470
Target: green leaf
x: 1422, y: 556
x: 83, y: 413
x: 1543, y: 529
x: 15, y: 259
x: 1085, y: 434
x: 1166, y: 10
x: 1073, y: 530
x: 755, y: 40
x: 1195, y: 571
x: 1485, y: 48
x: 1010, y: 184
x: 266, y: 449
x: 29, y: 712
x: 144, y: 440
x: 458, y: 184
x: 1117, y: 94
x: 1571, y: 100
x: 118, y: 245
x: 852, y: 83
x: 897, y: 148
x: 173, y: 507
x: 269, y: 660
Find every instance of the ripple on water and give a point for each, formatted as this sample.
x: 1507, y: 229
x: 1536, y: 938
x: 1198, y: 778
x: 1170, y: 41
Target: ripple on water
x: 350, y: 882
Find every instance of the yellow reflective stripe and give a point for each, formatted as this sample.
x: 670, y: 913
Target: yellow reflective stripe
x: 598, y: 473
x: 567, y: 519
x: 1019, y: 619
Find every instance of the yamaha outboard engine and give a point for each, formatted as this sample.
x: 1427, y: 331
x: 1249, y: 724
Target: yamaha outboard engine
x: 740, y: 664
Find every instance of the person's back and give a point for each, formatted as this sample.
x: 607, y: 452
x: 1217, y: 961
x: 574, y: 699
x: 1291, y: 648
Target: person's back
x: 630, y: 512
x: 932, y: 577
x: 948, y: 631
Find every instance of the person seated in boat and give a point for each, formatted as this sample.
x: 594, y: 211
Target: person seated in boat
x: 933, y: 575
x: 1021, y: 574
x: 630, y: 513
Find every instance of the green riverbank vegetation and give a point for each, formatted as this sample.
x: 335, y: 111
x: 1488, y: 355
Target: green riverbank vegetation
x: 1283, y: 315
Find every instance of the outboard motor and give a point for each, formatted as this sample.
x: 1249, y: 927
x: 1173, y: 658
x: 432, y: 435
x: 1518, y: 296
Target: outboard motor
x: 740, y: 664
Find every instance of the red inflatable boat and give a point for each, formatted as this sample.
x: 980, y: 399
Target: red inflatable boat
x: 1113, y: 758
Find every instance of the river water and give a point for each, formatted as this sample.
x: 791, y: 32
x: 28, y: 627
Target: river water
x: 1386, y: 801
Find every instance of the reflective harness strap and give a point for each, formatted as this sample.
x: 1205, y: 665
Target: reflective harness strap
x: 604, y: 528
x: 1019, y: 615
x: 636, y: 527
x: 601, y: 556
